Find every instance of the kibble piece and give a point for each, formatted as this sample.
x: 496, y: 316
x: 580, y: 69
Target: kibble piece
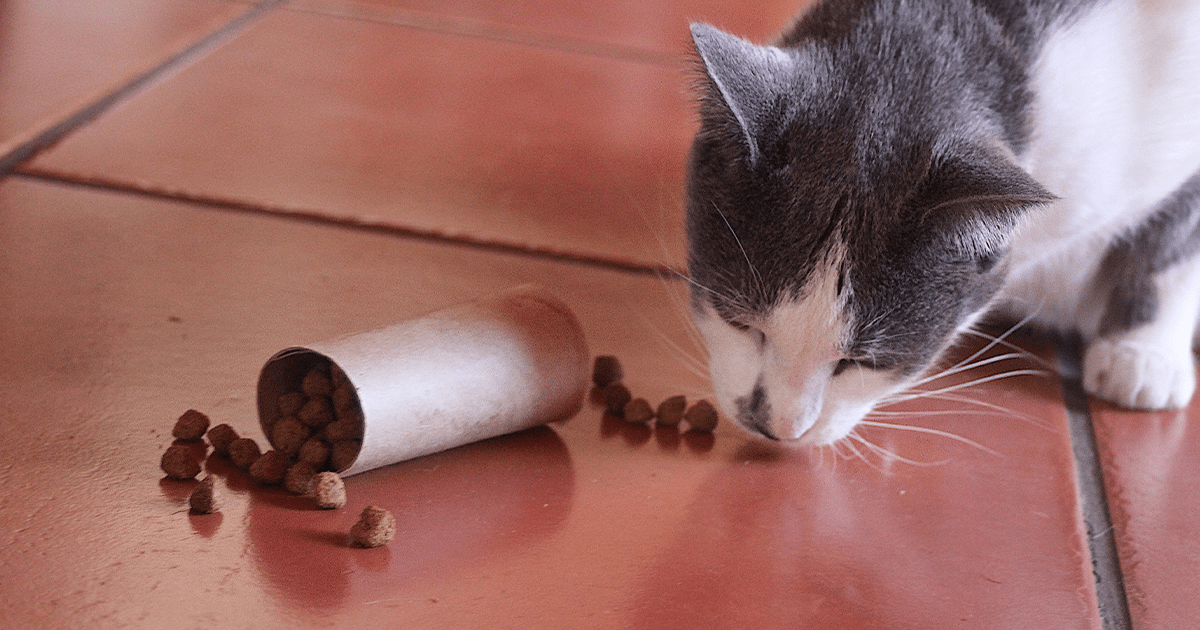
x: 375, y: 527
x: 221, y: 436
x: 341, y: 430
x: 179, y: 462
x: 204, y: 498
x: 606, y: 370
x: 243, y: 452
x: 316, y: 384
x: 314, y: 451
x: 316, y: 412
x: 288, y: 435
x: 638, y: 411
x: 328, y: 490
x: 342, y: 454
x: 344, y: 399
x: 701, y: 416
x: 670, y: 411
x: 616, y: 396
x: 290, y: 403
x: 338, y: 378
x: 271, y: 468
x: 190, y: 426
x: 299, y: 477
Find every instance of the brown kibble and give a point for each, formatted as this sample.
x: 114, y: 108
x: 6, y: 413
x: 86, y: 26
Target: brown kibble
x: 670, y: 411
x: 606, y: 370
x: 342, y: 454
x: 316, y: 412
x: 314, y: 451
x: 701, y: 416
x: 328, y: 490
x: 344, y: 399
x: 180, y: 463
x: 221, y: 436
x: 338, y: 378
x: 290, y: 403
x: 204, y: 498
x: 271, y: 468
x: 316, y: 384
x: 375, y: 527
x: 341, y: 430
x: 616, y: 396
x: 638, y: 411
x: 288, y: 435
x: 243, y: 452
x: 299, y: 477
x: 190, y: 426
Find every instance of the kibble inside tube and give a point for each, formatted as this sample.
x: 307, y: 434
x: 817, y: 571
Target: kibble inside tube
x: 466, y: 373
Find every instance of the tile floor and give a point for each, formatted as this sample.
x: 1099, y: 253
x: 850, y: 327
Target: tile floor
x: 191, y: 185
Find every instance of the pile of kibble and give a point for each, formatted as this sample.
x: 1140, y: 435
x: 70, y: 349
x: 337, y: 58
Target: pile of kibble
x: 607, y: 375
x: 319, y: 432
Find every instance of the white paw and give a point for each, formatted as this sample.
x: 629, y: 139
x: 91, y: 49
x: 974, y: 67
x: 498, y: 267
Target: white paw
x: 1139, y: 375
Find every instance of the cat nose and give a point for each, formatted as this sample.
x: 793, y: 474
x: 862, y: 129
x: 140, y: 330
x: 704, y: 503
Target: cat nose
x: 754, y: 412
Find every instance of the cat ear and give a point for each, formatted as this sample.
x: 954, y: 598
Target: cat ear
x: 747, y: 78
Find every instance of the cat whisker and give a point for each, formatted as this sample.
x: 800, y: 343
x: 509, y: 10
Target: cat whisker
x: 891, y: 455
x: 927, y: 430
x: 916, y: 394
x: 963, y: 367
x: 991, y: 409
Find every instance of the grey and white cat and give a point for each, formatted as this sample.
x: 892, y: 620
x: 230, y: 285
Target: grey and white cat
x: 888, y: 171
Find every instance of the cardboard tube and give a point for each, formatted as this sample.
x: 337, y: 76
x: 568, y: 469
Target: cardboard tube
x: 466, y: 373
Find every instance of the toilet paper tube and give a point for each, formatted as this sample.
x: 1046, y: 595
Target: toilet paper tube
x: 465, y: 373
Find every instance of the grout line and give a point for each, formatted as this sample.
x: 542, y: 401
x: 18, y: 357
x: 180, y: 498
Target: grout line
x: 91, y: 106
x: 364, y: 224
x: 1102, y: 543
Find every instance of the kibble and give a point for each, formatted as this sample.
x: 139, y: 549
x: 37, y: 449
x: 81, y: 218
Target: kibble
x: 204, y: 498
x: 341, y: 430
x: 338, y: 378
x: 243, y: 452
x: 344, y: 399
x: 299, y: 477
x: 190, y: 426
x: 316, y: 384
x: 616, y: 396
x: 180, y: 463
x: 314, y: 452
x: 290, y: 403
x: 288, y: 435
x: 606, y: 370
x: 328, y: 490
x: 221, y: 436
x: 638, y: 411
x: 271, y: 468
x: 701, y: 416
x: 375, y: 527
x: 316, y: 412
x: 342, y: 454
x: 670, y: 411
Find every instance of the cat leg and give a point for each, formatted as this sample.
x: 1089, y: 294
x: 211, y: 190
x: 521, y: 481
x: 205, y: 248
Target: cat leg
x: 1142, y: 355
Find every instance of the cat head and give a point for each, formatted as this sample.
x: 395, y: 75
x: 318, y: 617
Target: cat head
x: 846, y: 217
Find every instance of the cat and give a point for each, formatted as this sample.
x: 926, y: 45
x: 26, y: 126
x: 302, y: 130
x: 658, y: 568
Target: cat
x: 887, y: 172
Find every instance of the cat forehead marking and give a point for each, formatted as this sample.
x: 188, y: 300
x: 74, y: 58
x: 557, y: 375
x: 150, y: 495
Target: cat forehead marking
x: 812, y: 328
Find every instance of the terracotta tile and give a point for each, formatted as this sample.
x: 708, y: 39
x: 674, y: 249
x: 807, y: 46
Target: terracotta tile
x: 117, y: 313
x: 54, y: 55
x: 454, y: 136
x: 650, y: 30
x: 1152, y: 477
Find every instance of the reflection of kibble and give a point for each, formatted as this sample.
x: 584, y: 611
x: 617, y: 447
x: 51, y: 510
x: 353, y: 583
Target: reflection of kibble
x: 638, y: 411
x: 316, y: 384
x: 288, y: 435
x: 290, y: 403
x: 190, y: 426
x: 316, y: 412
x: 670, y: 411
x: 606, y: 370
x: 616, y: 396
x: 701, y: 416
x: 270, y: 468
x: 221, y: 436
x: 179, y: 462
x: 375, y: 527
x: 299, y: 477
x: 342, y: 454
x: 328, y: 490
x: 315, y: 452
x: 204, y: 498
x: 243, y: 452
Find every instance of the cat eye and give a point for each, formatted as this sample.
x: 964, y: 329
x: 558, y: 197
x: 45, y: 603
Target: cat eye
x: 759, y: 337
x: 846, y: 364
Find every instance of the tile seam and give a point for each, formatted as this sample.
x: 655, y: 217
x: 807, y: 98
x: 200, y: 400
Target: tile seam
x: 1111, y: 595
x: 53, y: 128
x: 147, y: 190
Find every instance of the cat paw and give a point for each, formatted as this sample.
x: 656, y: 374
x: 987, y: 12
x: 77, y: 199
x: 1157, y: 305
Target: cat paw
x: 1138, y: 375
